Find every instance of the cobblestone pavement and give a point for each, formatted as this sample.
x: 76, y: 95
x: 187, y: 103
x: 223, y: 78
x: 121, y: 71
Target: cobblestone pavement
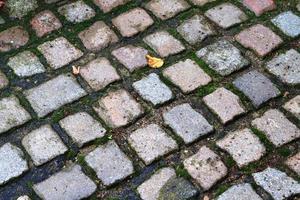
x: 220, y: 119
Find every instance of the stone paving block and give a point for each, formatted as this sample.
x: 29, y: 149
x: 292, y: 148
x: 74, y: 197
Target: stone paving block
x: 12, y: 162
x: 293, y: 106
x: 20, y: 8
x: 258, y: 88
x: 52, y: 1
x: 13, y: 38
x: 223, y: 57
x: 288, y: 23
x: 108, y: 5
x: 187, y: 75
x: 278, y: 129
x: 26, y: 64
x: 277, y: 183
x: 205, y: 167
x: 2, y: 21
x: 225, y: 104
x: 151, y: 142
x: 294, y: 163
x: 166, y: 9
x: 259, y: 38
x: 195, y: 29
x: 98, y: 36
x: 132, y: 22
x: 226, y: 15
x: 187, y: 123
x: 77, y: 12
x: 243, y: 146
x: 242, y: 191
x: 286, y: 67
x: 82, y: 128
x: 3, y: 80
x: 164, y: 44
x: 201, y: 2
x: 259, y: 6
x: 152, y: 89
x: 69, y: 184
x: 12, y: 114
x: 118, y: 108
x: 24, y: 197
x: 44, y: 23
x: 99, y: 73
x: 132, y: 57
x: 43, y: 144
x: 110, y: 163
x: 53, y: 94
x: 59, y: 48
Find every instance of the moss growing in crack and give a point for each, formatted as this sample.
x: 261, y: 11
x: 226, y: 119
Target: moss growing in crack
x: 263, y: 138
x: 284, y: 151
x: 205, y: 90
x: 221, y: 189
x: 182, y: 172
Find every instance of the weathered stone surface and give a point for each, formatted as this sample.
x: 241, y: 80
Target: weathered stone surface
x: 2, y: 21
x: 187, y: 123
x: 3, y: 80
x: 293, y: 106
x: 20, y: 8
x: 24, y: 197
x: 110, y: 163
x: 278, y: 129
x: 58, y: 91
x: 277, y: 183
x: 201, y: 2
x: 242, y: 191
x: 52, y: 1
x: 108, y: 5
x: 12, y: 162
x: 294, y: 163
x: 260, y: 6
x: 13, y: 38
x: 288, y: 23
x: 68, y: 184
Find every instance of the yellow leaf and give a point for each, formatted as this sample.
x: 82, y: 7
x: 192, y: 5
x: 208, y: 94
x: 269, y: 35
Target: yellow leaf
x: 75, y: 70
x: 154, y: 62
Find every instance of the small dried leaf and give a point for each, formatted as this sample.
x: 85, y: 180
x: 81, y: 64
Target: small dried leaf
x: 75, y: 70
x: 206, y: 198
x: 154, y: 62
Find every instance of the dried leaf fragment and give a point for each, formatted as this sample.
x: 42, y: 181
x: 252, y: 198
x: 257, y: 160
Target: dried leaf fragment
x: 75, y: 70
x: 154, y: 62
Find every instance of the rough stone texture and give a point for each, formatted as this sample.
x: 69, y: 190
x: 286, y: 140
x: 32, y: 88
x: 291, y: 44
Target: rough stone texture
x: 288, y: 23
x: 201, y: 2
x: 243, y: 146
x: 151, y: 142
x: 97, y: 36
x: 277, y: 127
x: 258, y: 88
x: 259, y: 6
x: 52, y: 1
x: 187, y: 123
x: 164, y: 44
x: 277, y: 183
x: 69, y: 184
x: 2, y: 21
x: 293, y: 106
x: 165, y: 9
x: 12, y: 162
x: 20, y: 8
x: 99, y: 73
x: 132, y: 57
x: 118, y: 108
x: 82, y: 128
x: 13, y: 38
x: 187, y: 75
x: 242, y: 191
x: 3, y: 80
x: 110, y: 163
x: 58, y: 91
x: 77, y: 12
x: 108, y: 5
x: 286, y: 67
x: 226, y: 15
x: 44, y: 23
x: 205, y: 167
x: 152, y: 89
x: 132, y: 22
x: 259, y: 38
x: 294, y: 163
x: 225, y: 104
x: 59, y: 48
x: 195, y: 29
x: 24, y: 197
x: 223, y: 57
x: 12, y: 114
x: 26, y: 64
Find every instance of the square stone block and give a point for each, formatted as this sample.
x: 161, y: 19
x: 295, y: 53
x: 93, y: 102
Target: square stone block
x: 13, y: 38
x: 259, y: 6
x: 293, y: 106
x: 288, y: 23
x: 20, y: 8
x: 294, y: 163
x: 201, y: 2
x: 3, y: 80
x: 107, y: 5
x: 242, y: 191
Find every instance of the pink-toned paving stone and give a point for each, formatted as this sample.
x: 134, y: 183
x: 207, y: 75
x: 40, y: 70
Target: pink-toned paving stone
x: 108, y: 5
x: 3, y: 80
x: 259, y: 6
x: 294, y: 163
x: 13, y: 38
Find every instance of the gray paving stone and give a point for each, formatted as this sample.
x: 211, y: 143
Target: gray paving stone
x: 13, y: 38
x: 278, y: 129
x: 59, y: 48
x: 298, y: 6
x: 293, y: 106
x: 223, y: 57
x: 195, y: 29
x: 26, y: 64
x: 243, y: 146
x: 24, y: 197
x: 288, y: 23
x: 3, y: 80
x: 286, y: 67
x: 82, y: 128
x: 110, y: 163
x: 20, y: 8
x: 53, y: 94
x: 277, y: 183
x: 164, y: 44
x: 43, y: 144
x: 294, y: 163
x: 205, y: 167
x: 12, y: 114
x: 242, y: 191
x: 201, y: 2
x: 225, y: 104
x: 151, y: 142
x: 187, y: 123
x: 152, y: 89
x: 69, y: 184
x: 258, y: 88
x: 12, y: 162
x: 108, y: 5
